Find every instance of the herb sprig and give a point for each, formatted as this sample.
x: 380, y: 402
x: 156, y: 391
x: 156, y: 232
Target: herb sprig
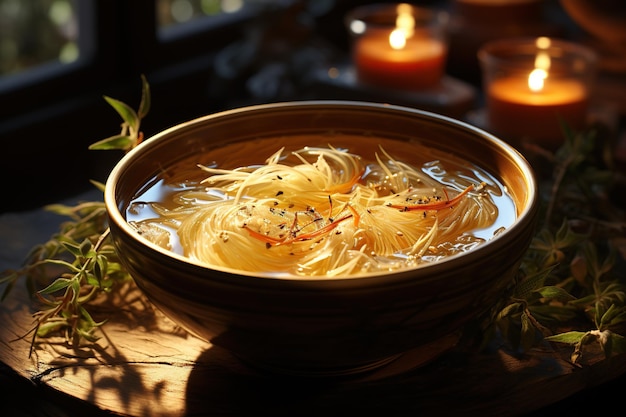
x: 80, y: 254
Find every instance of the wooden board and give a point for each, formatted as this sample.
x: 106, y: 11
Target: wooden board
x: 145, y: 365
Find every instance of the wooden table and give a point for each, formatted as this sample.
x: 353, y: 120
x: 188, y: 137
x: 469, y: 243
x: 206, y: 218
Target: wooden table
x: 145, y: 365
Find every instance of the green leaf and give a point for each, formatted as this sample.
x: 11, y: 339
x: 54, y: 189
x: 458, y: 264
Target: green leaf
x: 570, y: 338
x: 510, y: 310
x: 566, y: 237
x: 92, y: 280
x: 87, y: 317
x: 100, y: 267
x: 61, y: 209
x: 9, y: 277
x: 553, y: 313
x: 66, y: 264
x: 587, y: 300
x: 87, y: 335
x: 613, y: 316
x: 87, y: 297
x: 122, y: 142
x: 57, y: 285
x: 99, y: 185
x: 48, y: 327
x: 75, y: 286
x: 144, y: 105
x: 86, y: 248
x: 10, y: 281
x: 71, y: 246
x: 125, y: 111
x: 555, y: 293
x: 528, y: 333
x: 532, y: 282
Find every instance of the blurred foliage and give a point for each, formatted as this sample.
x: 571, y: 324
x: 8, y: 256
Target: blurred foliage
x: 571, y: 287
x: 35, y: 32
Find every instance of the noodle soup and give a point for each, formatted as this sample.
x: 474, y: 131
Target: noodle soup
x: 354, y: 205
x: 356, y: 272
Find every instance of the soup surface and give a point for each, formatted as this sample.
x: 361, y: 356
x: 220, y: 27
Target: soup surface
x: 353, y: 205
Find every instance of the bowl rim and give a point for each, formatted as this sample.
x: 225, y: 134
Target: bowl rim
x: 528, y: 212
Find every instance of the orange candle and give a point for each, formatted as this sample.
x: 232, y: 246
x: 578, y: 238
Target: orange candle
x: 535, y: 87
x: 516, y: 111
x: 398, y: 46
x: 417, y: 65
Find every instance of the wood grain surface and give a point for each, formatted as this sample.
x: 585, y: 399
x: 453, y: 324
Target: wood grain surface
x: 145, y: 365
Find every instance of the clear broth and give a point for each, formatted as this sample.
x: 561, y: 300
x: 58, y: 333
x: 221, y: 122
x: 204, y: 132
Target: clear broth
x: 446, y: 169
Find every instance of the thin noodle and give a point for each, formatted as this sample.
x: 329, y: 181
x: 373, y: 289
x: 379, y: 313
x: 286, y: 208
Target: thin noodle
x: 325, y: 212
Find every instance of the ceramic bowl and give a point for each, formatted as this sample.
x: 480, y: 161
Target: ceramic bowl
x: 321, y: 325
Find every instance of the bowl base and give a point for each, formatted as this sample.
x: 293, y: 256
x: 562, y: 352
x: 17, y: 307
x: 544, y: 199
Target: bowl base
x: 316, y: 372
x: 371, y: 371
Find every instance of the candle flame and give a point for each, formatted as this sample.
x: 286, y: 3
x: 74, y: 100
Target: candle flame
x: 397, y: 39
x: 542, y: 61
x: 537, y: 77
x: 543, y: 42
x: 405, y: 25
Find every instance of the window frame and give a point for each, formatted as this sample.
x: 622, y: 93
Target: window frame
x: 52, y: 113
x: 118, y: 40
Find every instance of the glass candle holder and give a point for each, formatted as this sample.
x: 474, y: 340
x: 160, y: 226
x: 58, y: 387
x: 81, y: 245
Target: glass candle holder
x: 535, y: 86
x: 399, y: 46
x: 498, y: 12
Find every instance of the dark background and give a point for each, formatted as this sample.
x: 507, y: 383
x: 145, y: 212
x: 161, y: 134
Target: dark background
x: 46, y: 124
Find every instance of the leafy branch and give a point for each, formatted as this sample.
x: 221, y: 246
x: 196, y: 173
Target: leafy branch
x: 80, y: 255
x: 568, y: 289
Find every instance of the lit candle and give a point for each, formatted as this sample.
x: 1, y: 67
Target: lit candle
x: 532, y: 105
x: 407, y: 55
x: 417, y: 65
